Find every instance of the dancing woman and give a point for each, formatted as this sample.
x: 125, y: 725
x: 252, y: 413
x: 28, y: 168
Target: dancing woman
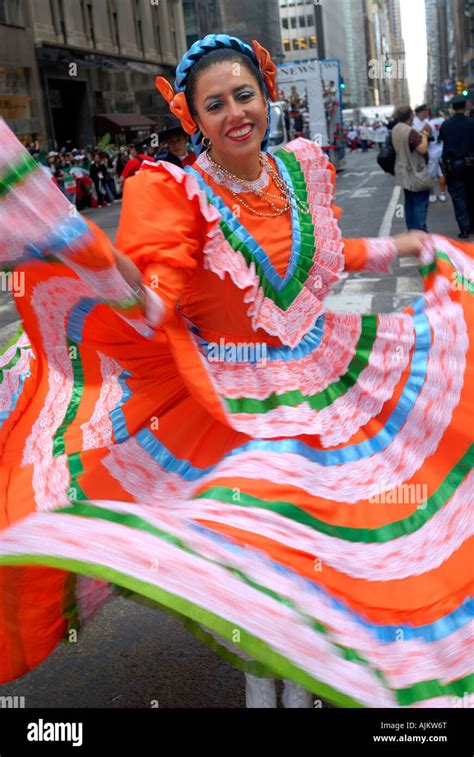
x: 187, y: 424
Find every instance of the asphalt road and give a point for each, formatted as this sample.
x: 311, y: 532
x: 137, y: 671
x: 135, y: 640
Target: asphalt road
x: 130, y: 655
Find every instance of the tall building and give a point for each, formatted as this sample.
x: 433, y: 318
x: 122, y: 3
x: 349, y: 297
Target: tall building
x: 357, y: 82
x: 298, y: 30
x: 249, y: 20
x: 90, y: 66
x: 450, y: 36
x: 385, y: 53
x: 20, y: 95
x: 201, y: 17
x: 398, y: 84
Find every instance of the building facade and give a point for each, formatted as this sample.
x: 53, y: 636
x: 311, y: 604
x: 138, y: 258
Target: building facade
x: 250, y: 20
x: 20, y: 94
x: 91, y: 59
x: 450, y: 36
x: 298, y: 30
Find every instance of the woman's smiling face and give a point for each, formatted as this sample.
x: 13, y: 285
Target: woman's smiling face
x: 231, y: 109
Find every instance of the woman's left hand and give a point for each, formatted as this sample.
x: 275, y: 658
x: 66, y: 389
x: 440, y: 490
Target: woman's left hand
x: 410, y: 243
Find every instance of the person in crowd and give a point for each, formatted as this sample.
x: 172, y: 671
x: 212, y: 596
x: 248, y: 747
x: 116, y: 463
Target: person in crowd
x: 134, y: 162
x: 176, y: 140
x: 457, y: 137
x: 365, y: 136
x: 98, y: 171
x: 434, y: 158
x: 352, y: 138
x: 411, y: 168
x: 421, y: 117
x: 380, y: 134
x: 109, y: 178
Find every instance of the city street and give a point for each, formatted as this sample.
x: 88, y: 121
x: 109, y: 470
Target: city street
x: 131, y: 655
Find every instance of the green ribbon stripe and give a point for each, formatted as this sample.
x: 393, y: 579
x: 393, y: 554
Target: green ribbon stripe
x: 381, y: 535
x: 422, y: 690
x: 14, y: 360
x: 250, y: 644
x: 284, y: 298
x: 17, y: 172
x: 134, y: 521
x: 71, y: 412
x: 464, y: 282
x: 328, y: 395
x: 13, y: 340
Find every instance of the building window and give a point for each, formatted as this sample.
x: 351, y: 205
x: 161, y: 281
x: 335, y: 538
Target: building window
x: 173, y: 29
x: 303, y: 43
x: 158, y: 38
x: 302, y: 20
x: 293, y: 22
x: 310, y: 21
x: 286, y: 45
x: 138, y: 26
x: 284, y: 22
x: 296, y: 45
x: 113, y: 23
x: 62, y: 22
x: 313, y: 41
x: 11, y: 13
x: 90, y: 21
x: 52, y: 10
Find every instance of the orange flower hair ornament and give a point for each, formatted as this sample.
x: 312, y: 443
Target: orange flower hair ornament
x: 177, y: 103
x: 267, y: 67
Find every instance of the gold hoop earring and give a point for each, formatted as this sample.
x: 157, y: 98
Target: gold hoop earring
x: 206, y: 142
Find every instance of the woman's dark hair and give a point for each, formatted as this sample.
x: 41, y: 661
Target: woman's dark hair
x: 218, y: 56
x: 403, y: 113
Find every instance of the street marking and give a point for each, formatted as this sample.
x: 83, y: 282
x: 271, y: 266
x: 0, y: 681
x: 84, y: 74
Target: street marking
x: 363, y: 193
x: 356, y: 189
x: 386, y: 226
x: 353, y: 173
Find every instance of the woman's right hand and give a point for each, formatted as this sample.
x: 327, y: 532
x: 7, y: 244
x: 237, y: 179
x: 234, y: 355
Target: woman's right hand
x: 131, y: 274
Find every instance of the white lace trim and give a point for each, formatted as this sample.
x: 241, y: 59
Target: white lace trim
x: 205, y: 164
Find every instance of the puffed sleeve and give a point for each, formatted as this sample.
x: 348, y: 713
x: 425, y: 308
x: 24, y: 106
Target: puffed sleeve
x: 370, y: 254
x: 164, y: 224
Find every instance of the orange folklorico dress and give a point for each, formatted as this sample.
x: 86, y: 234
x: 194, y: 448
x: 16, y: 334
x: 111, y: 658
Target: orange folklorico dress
x: 292, y: 481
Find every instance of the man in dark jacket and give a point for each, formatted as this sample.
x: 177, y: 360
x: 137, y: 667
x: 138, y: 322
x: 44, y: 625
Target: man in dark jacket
x: 176, y: 140
x: 457, y: 136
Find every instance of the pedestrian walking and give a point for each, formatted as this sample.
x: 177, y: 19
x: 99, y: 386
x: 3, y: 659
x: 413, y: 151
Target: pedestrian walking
x: 435, y: 152
x: 365, y: 135
x: 457, y: 137
x: 411, y: 171
x: 186, y: 421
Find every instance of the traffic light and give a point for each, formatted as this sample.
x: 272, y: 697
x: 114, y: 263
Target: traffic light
x: 342, y: 85
x: 459, y: 87
x: 388, y: 67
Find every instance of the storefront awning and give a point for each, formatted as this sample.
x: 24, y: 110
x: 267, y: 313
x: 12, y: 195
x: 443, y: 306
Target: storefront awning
x: 123, y: 122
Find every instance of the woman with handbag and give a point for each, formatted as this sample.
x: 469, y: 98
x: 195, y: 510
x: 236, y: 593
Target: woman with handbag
x: 411, y: 171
